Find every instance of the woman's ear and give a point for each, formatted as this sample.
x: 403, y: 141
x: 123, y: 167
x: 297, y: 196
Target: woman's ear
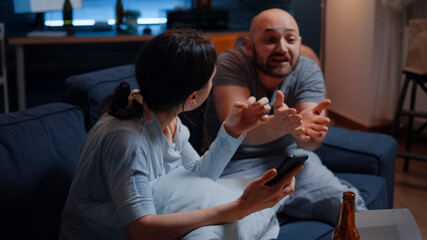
x: 192, y: 100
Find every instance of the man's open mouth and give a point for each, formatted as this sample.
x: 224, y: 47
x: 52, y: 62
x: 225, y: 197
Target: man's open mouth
x: 279, y: 59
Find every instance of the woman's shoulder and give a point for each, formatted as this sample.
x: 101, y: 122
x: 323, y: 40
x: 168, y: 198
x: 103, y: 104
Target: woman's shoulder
x: 110, y: 123
x: 117, y: 130
x: 182, y: 130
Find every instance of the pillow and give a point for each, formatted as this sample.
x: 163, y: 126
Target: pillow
x: 181, y: 190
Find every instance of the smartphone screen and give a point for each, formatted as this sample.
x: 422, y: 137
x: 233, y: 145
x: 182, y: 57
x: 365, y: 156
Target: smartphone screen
x: 289, y: 163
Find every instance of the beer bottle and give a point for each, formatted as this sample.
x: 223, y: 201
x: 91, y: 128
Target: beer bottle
x: 67, y: 13
x: 119, y: 14
x: 346, y: 228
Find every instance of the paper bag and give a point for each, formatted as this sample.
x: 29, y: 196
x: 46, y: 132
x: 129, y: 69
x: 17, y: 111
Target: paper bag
x: 416, y: 58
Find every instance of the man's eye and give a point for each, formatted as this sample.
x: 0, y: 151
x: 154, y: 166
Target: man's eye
x: 270, y: 40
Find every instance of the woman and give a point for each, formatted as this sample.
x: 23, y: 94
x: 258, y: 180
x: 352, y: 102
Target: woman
x: 141, y: 139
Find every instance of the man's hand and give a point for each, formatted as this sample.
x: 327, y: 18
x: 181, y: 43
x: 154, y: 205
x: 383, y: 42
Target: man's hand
x: 285, y: 119
x: 313, y: 123
x: 313, y: 129
x: 246, y: 115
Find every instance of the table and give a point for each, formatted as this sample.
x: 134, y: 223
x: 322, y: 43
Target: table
x: 81, y: 38
x: 388, y: 224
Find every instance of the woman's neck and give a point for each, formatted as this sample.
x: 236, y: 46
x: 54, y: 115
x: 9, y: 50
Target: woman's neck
x: 167, y: 121
x: 165, y: 118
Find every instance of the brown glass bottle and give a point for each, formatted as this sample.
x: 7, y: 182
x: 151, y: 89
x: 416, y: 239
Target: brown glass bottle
x: 346, y: 228
x: 67, y: 13
x: 119, y: 14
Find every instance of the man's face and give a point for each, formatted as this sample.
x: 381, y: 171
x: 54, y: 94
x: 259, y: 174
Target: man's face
x: 276, y: 50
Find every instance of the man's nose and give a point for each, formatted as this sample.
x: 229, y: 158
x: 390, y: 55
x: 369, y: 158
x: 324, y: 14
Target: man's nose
x: 282, y: 46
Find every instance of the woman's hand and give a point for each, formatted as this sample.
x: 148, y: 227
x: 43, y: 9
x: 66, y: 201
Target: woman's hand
x: 246, y: 115
x: 258, y: 196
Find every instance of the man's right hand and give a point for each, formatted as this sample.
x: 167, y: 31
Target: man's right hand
x: 285, y: 119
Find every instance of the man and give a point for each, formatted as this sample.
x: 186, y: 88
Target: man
x: 270, y: 65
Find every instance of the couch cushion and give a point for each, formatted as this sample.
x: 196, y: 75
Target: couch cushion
x: 88, y: 90
x: 304, y: 230
x: 362, y: 145
x: 38, y: 148
x: 372, y: 188
x: 345, y: 150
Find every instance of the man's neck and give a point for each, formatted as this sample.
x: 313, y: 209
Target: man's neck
x: 270, y: 83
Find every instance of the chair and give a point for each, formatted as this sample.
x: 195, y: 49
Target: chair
x: 306, y: 51
x: 3, y: 77
x: 415, y: 72
x: 412, y: 134
x: 225, y: 42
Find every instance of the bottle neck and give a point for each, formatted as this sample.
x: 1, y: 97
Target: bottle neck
x: 347, y: 211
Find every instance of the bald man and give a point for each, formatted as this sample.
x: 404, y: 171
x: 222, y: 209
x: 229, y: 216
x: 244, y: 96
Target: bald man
x: 270, y: 65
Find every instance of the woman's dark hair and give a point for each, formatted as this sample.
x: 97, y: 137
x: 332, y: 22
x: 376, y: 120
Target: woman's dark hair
x: 117, y: 103
x: 168, y: 69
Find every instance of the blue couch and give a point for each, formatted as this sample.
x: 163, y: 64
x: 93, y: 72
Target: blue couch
x: 38, y: 147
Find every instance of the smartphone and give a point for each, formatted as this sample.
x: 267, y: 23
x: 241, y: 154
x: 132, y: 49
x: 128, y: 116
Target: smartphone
x: 291, y: 162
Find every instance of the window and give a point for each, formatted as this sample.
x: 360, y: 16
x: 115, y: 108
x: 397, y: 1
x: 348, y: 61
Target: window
x: 152, y: 12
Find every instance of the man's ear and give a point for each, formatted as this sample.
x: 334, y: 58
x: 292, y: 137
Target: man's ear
x: 249, y: 46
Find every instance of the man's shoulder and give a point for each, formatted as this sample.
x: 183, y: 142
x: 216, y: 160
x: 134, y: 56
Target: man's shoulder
x: 235, y: 60
x: 306, y: 64
x: 234, y: 53
x: 303, y: 60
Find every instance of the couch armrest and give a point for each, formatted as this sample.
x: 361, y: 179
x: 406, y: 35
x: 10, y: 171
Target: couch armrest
x: 38, y: 148
x: 345, y: 150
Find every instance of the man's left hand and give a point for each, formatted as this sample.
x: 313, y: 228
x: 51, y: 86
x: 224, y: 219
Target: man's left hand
x: 313, y: 122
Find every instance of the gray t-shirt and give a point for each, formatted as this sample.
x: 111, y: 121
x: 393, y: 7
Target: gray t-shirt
x: 235, y: 67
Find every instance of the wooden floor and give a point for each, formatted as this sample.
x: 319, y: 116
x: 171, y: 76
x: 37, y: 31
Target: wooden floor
x: 410, y: 189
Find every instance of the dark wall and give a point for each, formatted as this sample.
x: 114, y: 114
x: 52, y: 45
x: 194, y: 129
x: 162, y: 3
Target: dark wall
x: 47, y: 66
x: 307, y: 13
x: 242, y: 11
